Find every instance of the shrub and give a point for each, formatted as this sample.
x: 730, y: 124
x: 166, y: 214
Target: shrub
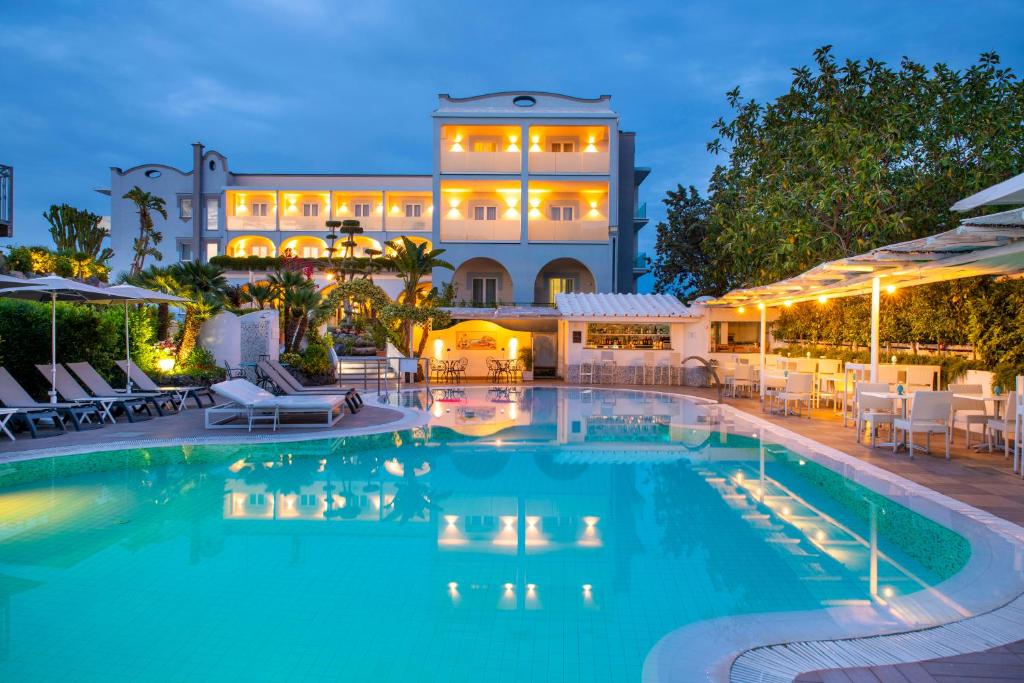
x: 200, y: 367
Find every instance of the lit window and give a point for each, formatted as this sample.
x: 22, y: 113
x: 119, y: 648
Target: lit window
x: 310, y: 252
x: 258, y: 250
x: 564, y: 146
x: 560, y: 285
x: 257, y: 499
x: 260, y: 208
x: 562, y: 213
x: 485, y: 145
x: 310, y: 209
x: 485, y: 213
x: 212, y: 249
x: 361, y: 209
x: 307, y: 500
x: 185, y: 208
x: 413, y: 210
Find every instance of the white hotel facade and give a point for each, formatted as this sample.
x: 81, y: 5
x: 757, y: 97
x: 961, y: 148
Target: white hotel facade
x: 531, y: 194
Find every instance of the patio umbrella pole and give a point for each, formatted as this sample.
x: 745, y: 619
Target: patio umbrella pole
x: 127, y: 350
x: 53, y: 347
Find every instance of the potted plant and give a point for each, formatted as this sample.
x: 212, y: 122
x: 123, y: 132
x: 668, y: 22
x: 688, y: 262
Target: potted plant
x: 526, y: 359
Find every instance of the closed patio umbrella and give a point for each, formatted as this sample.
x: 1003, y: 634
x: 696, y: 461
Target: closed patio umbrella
x: 131, y: 293
x: 54, y: 288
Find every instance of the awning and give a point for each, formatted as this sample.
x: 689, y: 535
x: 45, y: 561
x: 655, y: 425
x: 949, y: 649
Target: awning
x: 987, y: 245
x: 603, y: 306
x: 1008, y: 192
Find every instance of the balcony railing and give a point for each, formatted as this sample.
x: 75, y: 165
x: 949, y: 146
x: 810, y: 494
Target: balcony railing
x: 480, y: 162
x: 569, y: 162
x: 542, y: 230
x: 252, y: 223
x: 303, y: 223
x: 403, y: 224
x: 640, y: 262
x: 479, y: 231
x: 641, y: 211
x: 367, y: 223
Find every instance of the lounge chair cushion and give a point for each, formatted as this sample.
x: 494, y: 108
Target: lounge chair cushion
x: 244, y: 392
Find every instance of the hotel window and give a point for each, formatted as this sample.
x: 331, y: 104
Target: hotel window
x: 307, y: 500
x: 259, y: 250
x: 310, y: 252
x: 560, y: 285
x: 563, y: 146
x: 185, y: 208
x: 212, y: 213
x: 486, y: 145
x: 260, y: 208
x: 413, y: 210
x: 310, y: 209
x: 257, y: 499
x: 485, y: 290
x: 361, y: 209
x: 562, y: 213
x: 485, y: 213
x: 184, y: 251
x: 212, y: 249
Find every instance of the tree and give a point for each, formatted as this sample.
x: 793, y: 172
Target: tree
x: 682, y: 266
x: 161, y: 280
x: 206, y: 288
x: 78, y: 232
x: 412, y: 262
x: 854, y: 156
x: 259, y: 293
x: 145, y: 244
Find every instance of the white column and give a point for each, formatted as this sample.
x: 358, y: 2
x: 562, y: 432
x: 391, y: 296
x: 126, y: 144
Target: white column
x: 764, y: 337
x: 876, y: 290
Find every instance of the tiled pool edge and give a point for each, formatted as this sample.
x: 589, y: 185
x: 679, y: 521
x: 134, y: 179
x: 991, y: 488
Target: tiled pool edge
x: 751, y: 647
x: 409, y: 418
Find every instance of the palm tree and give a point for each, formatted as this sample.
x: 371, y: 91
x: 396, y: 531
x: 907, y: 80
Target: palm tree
x: 206, y: 289
x: 145, y: 244
x: 161, y: 280
x: 295, y: 296
x: 412, y: 262
x: 260, y: 293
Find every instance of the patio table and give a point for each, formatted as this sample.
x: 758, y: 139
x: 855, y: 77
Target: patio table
x: 894, y: 396
x: 5, y: 415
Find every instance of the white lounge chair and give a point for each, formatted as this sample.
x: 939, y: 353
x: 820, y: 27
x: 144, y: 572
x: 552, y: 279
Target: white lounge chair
x: 929, y: 414
x: 290, y: 386
x: 246, y: 400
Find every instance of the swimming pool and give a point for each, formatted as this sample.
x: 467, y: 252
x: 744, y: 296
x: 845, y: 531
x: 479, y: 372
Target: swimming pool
x: 544, y: 534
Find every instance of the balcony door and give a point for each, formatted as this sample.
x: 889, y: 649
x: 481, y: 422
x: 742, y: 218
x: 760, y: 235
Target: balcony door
x: 485, y: 291
x: 560, y: 285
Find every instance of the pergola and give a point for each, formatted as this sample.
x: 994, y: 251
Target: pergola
x: 987, y: 245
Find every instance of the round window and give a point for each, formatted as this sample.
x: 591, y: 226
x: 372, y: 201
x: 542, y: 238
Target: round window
x: 152, y: 173
x: 524, y: 101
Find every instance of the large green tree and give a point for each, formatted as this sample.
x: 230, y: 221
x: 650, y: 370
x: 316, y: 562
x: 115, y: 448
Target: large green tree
x: 78, y: 232
x: 854, y: 156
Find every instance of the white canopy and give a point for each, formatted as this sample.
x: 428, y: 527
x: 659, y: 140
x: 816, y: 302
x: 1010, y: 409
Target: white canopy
x: 597, y: 306
x: 1006, y: 193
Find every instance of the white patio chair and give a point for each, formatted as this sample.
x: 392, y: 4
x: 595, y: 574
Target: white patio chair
x: 889, y: 374
x: 872, y: 410
x: 1006, y: 425
x: 799, y: 389
x: 929, y: 415
x: 920, y: 378
x: 967, y: 410
x: 586, y: 372
x: 743, y: 379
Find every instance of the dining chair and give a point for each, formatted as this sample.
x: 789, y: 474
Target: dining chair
x: 460, y: 371
x: 929, y: 415
x: 1006, y: 425
x: 873, y: 410
x: 970, y: 411
x: 799, y: 389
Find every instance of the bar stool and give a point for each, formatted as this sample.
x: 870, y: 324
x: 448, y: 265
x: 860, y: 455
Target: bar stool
x: 586, y: 372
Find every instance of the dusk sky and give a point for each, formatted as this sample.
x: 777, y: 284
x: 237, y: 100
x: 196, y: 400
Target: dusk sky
x: 315, y: 86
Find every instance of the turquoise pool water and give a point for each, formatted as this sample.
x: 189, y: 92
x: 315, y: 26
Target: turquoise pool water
x: 536, y: 535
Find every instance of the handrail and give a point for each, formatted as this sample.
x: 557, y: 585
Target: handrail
x: 711, y: 368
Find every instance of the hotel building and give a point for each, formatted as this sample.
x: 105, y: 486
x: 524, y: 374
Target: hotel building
x: 531, y: 195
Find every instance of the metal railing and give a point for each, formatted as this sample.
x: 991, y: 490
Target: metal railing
x: 640, y: 211
x: 385, y: 372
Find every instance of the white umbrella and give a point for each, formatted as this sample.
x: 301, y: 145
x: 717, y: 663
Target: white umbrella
x: 54, y: 288
x: 9, y: 281
x: 138, y: 294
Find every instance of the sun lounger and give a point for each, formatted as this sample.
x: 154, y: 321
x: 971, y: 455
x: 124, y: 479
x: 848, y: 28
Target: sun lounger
x: 72, y: 391
x: 143, y: 381
x: 98, y: 386
x: 287, y: 383
x: 248, y: 401
x: 14, y: 396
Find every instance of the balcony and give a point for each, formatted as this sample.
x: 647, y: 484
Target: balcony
x: 543, y: 230
x: 404, y: 224
x: 480, y: 162
x: 641, y: 264
x: 247, y: 223
x: 569, y: 163
x: 303, y: 223
x: 456, y: 230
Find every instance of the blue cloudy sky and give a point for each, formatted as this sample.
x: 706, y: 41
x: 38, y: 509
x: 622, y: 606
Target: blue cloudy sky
x: 319, y: 86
